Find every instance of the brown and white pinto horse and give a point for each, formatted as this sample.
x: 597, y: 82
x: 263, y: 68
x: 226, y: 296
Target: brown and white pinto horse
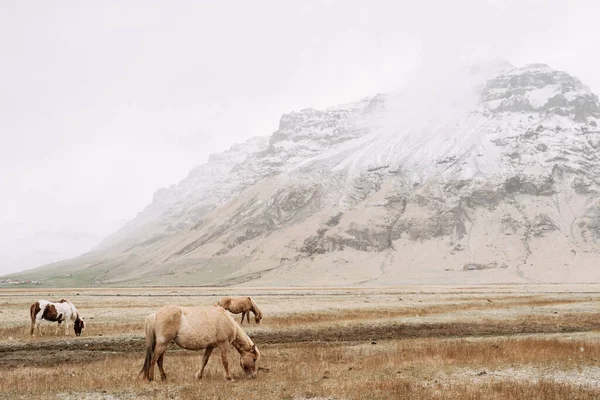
x: 64, y: 310
x: 196, y: 328
x: 241, y: 305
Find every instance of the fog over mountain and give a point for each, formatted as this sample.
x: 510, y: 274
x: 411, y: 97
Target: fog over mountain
x: 492, y: 177
x: 103, y: 104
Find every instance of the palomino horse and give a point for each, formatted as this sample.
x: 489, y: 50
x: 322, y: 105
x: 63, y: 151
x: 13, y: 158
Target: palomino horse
x: 196, y: 328
x: 64, y: 310
x: 241, y: 305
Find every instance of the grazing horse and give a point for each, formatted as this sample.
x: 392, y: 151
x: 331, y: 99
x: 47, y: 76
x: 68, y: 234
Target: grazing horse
x: 64, y: 310
x: 196, y: 328
x: 241, y: 305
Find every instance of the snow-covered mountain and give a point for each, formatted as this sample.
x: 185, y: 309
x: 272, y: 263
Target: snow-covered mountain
x: 491, y: 175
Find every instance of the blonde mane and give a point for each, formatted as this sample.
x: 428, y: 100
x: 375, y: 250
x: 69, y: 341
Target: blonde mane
x: 242, y: 341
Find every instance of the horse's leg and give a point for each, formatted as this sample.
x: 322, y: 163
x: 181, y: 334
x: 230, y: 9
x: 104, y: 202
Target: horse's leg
x: 224, y: 348
x: 38, y: 325
x: 243, y: 315
x: 159, y: 362
x: 33, y: 326
x: 205, y: 358
x: 159, y: 351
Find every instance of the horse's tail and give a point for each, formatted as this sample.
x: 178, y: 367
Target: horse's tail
x: 150, y: 344
x: 257, y: 313
x: 33, y: 310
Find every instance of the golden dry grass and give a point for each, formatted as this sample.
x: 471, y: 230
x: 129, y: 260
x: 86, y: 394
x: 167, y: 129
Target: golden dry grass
x: 406, y: 369
x: 388, y: 316
x: 50, y: 332
x: 328, y: 354
x: 411, y: 310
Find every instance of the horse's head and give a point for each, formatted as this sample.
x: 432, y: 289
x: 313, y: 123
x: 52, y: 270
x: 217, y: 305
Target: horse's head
x: 257, y: 317
x: 78, y: 325
x: 248, y: 361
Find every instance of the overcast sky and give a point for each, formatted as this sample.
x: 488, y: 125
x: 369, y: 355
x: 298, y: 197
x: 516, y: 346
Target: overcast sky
x: 102, y: 103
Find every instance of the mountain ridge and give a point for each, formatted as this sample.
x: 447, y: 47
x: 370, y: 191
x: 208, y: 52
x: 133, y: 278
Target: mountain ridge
x: 468, y: 183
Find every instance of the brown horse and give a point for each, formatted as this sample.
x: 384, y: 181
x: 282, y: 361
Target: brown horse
x: 196, y: 328
x: 241, y: 305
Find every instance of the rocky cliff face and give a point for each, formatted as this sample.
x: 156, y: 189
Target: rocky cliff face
x: 492, y: 177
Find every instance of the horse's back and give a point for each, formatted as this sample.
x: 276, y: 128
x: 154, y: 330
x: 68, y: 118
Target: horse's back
x: 212, y: 320
x: 195, y: 327
x: 43, y: 303
x: 167, y: 320
x: 38, y: 308
x: 236, y: 304
x: 225, y: 302
x: 169, y: 313
x: 65, y: 308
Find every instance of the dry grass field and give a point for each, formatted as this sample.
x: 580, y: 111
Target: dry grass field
x: 474, y: 342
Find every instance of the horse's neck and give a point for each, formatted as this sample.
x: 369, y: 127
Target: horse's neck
x: 255, y: 308
x: 241, y: 341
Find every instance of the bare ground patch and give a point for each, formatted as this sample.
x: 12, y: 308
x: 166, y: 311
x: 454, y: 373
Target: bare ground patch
x: 44, y: 352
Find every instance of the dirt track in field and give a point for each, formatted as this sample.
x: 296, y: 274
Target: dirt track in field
x: 83, y: 349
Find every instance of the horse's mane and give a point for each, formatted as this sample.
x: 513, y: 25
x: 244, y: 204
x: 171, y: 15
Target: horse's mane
x: 242, y: 340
